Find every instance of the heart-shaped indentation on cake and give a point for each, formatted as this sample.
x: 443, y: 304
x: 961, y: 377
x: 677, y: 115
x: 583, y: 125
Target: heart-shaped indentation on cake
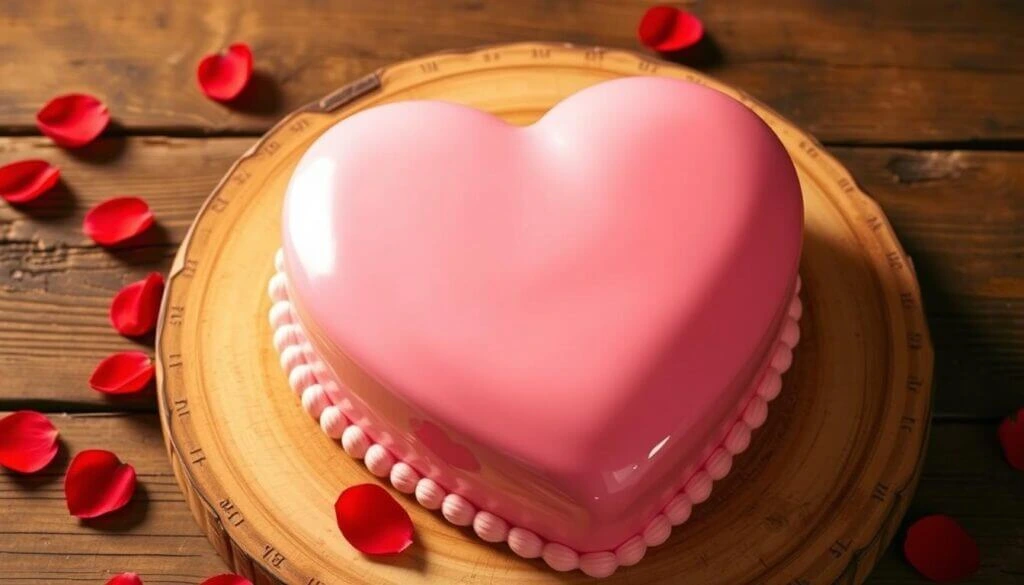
x: 450, y: 452
x: 581, y: 304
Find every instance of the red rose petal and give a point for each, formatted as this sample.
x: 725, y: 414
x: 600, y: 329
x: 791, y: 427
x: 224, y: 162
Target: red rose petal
x: 1011, y: 435
x: 941, y: 550
x: 24, y: 180
x: 122, y: 373
x: 98, y: 483
x: 73, y: 120
x: 372, y: 521
x: 125, y: 579
x: 227, y: 579
x: 666, y: 29
x: 135, y: 307
x: 28, y: 441
x: 115, y: 220
x: 223, y: 76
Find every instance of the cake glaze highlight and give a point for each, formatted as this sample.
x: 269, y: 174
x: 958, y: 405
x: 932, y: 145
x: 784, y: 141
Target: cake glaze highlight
x: 566, y: 325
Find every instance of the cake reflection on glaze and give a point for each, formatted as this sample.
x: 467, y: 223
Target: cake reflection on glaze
x: 562, y: 332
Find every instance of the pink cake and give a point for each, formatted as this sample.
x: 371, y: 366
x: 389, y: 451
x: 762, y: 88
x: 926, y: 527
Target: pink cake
x: 558, y: 334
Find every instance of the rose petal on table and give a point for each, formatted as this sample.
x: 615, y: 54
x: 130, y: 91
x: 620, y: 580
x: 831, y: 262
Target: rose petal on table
x: 116, y: 220
x: 222, y: 76
x: 227, y: 579
x: 122, y: 373
x: 98, y: 483
x: 667, y: 28
x: 125, y: 579
x: 24, y: 180
x: 941, y: 550
x: 372, y: 521
x: 1011, y: 437
x: 134, y: 309
x: 28, y: 441
x: 73, y: 120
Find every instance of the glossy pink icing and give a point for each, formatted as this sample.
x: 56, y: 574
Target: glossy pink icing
x: 580, y: 307
x: 488, y: 526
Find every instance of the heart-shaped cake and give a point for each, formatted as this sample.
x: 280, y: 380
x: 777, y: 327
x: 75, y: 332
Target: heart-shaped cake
x: 559, y: 334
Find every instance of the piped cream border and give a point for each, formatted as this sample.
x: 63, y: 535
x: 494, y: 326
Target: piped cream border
x: 305, y: 374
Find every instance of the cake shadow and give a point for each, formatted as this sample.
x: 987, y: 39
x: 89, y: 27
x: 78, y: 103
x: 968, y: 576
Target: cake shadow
x: 705, y: 54
x: 412, y: 558
x: 52, y: 473
x: 107, y: 149
x: 52, y: 207
x: 125, y: 519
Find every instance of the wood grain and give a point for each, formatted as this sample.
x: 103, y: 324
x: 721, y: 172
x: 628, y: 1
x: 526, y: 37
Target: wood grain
x: 960, y: 215
x: 155, y: 535
x: 40, y: 543
x: 860, y: 71
x: 56, y: 284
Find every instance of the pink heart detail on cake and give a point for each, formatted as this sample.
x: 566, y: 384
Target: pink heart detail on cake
x: 582, y: 304
x: 452, y: 453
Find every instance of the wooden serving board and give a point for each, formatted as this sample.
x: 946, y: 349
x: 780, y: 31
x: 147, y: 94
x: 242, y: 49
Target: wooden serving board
x: 814, y: 501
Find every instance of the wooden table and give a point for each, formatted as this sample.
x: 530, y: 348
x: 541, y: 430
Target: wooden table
x: 923, y: 101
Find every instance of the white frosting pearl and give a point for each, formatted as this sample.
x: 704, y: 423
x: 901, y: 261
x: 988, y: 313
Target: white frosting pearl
x: 332, y: 422
x: 309, y: 354
x: 525, y: 543
x: 790, y: 333
x: 678, y: 509
x: 291, y: 357
x: 278, y: 288
x: 756, y: 412
x: 599, y: 564
x: 332, y: 389
x: 458, y: 510
x: 770, y: 385
x: 281, y: 314
x: 319, y: 369
x: 355, y: 441
x: 378, y: 460
x: 630, y: 552
x: 782, y: 358
x: 279, y: 260
x: 560, y: 557
x: 698, y: 489
x: 314, y: 401
x: 404, y: 477
x: 429, y: 494
x: 738, y: 439
x: 489, y: 527
x: 657, y: 531
x: 719, y: 464
x: 288, y: 335
x: 346, y: 407
x: 796, y: 308
x: 300, y: 378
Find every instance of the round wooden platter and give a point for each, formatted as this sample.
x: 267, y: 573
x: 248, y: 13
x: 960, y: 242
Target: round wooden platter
x: 814, y: 501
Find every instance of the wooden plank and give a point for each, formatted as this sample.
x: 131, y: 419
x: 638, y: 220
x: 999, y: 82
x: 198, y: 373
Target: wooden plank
x: 960, y: 215
x: 56, y: 285
x: 860, y: 71
x: 156, y: 536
